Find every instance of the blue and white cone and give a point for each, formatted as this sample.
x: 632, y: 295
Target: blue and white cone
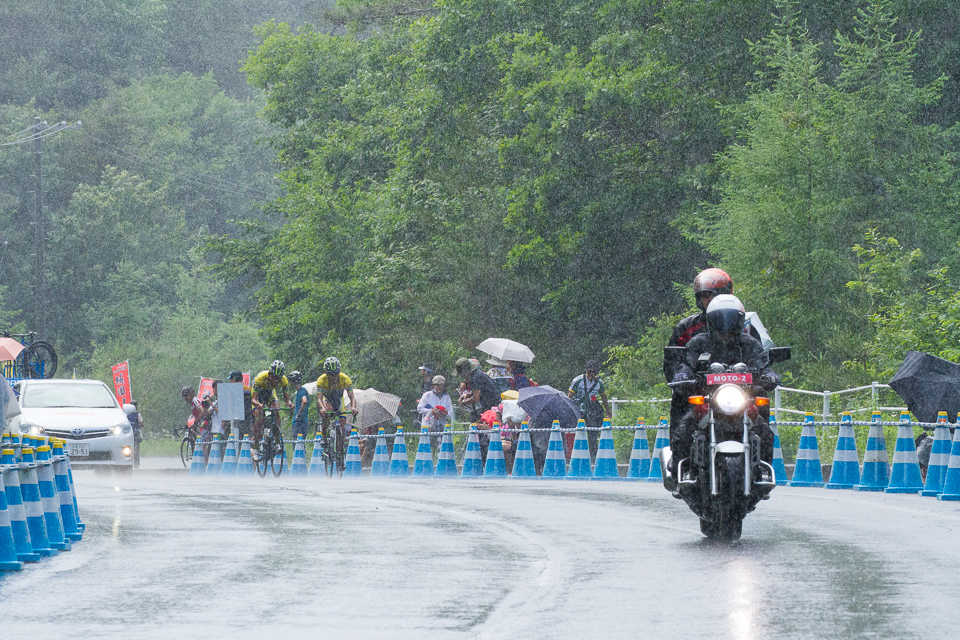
x: 580, y: 456
x: 555, y: 466
x: 381, y: 458
x: 423, y: 465
x: 352, y: 465
x: 779, y: 468
x: 523, y: 466
x: 939, y: 457
x: 807, y: 472
x: 215, y: 461
x: 245, y: 462
x: 639, y: 467
x: 48, y: 498
x: 399, y: 463
x: 32, y: 506
x: 299, y: 466
x: 496, y: 466
x: 845, y: 473
x: 8, y: 549
x: 229, y: 466
x: 905, y: 472
x: 446, y: 462
x: 951, y: 481
x: 67, y: 514
x: 663, y: 440
x: 876, y: 464
x: 18, y: 516
x: 316, y: 467
x: 198, y: 465
x: 606, y: 464
x: 472, y: 457
x: 73, y: 493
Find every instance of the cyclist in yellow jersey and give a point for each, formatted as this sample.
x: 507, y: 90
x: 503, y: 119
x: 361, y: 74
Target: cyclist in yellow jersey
x: 330, y: 387
x: 265, y: 385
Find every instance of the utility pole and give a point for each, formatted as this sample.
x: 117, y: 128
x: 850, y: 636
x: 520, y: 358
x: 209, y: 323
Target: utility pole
x: 39, y: 234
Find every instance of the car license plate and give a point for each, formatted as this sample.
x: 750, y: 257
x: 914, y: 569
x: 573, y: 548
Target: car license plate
x: 729, y: 378
x: 78, y: 450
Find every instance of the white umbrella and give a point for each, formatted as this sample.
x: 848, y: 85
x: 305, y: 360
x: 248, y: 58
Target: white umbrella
x: 375, y: 407
x: 506, y: 349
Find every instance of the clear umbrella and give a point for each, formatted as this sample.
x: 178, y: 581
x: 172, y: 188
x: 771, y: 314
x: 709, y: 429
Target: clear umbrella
x: 375, y: 407
x: 506, y: 349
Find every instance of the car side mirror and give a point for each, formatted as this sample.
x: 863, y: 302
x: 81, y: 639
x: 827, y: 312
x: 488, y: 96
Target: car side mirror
x: 129, y: 408
x: 779, y: 354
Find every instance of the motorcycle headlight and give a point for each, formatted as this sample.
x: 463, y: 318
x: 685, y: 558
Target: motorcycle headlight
x: 730, y: 399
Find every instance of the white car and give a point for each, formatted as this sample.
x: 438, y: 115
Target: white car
x: 85, y: 413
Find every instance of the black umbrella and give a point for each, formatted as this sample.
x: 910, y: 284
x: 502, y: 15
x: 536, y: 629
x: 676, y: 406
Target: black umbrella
x: 928, y: 384
x: 545, y: 404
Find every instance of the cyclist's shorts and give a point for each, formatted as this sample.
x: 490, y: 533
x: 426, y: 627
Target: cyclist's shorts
x: 264, y: 396
x: 336, y: 402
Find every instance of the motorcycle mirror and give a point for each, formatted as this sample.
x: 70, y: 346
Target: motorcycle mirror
x: 779, y: 354
x: 703, y: 361
x: 674, y: 355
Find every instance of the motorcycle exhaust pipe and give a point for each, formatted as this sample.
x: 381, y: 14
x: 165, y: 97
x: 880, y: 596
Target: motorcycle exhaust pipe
x: 669, y: 482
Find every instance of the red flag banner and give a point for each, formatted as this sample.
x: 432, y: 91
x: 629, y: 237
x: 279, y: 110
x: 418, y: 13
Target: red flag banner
x: 121, y: 382
x: 206, y: 388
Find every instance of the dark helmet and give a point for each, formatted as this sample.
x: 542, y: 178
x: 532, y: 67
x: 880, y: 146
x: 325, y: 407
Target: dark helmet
x: 235, y: 376
x: 725, y: 316
x: 331, y: 366
x: 295, y: 377
x: 188, y: 392
x: 711, y: 282
x: 277, y: 368
x: 592, y: 365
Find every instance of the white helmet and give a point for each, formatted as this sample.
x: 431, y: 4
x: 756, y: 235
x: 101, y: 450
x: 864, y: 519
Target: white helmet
x: 725, y: 316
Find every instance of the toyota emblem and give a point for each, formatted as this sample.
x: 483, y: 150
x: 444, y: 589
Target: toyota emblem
x: 78, y: 432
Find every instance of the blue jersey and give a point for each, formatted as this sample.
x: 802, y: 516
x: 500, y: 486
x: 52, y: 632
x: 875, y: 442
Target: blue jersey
x: 300, y: 409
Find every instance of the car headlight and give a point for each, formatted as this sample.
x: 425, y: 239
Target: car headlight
x: 30, y: 428
x: 121, y: 429
x: 730, y: 399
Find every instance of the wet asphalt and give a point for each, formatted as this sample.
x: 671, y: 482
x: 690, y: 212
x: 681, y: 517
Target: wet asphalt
x: 166, y: 555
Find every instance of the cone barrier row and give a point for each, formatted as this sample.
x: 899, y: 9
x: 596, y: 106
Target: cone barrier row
x: 951, y: 479
x: 423, y: 465
x: 472, y: 457
x: 229, y: 467
x: 298, y: 468
x: 639, y: 467
x: 523, y: 466
x: 845, y: 473
x: 807, y: 471
x: 939, y: 458
x: 905, y: 472
x: 399, y: 463
x: 446, y: 462
x: 605, y: 467
x: 245, y: 461
x: 555, y: 465
x: 663, y: 440
x: 352, y: 465
x: 876, y: 465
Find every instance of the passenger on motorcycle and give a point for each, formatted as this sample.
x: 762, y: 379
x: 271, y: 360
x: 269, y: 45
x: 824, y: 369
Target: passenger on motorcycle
x: 265, y: 386
x: 727, y: 344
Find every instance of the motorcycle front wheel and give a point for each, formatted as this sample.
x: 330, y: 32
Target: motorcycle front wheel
x: 730, y: 524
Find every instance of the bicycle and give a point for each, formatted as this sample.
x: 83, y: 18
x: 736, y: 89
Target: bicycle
x: 272, y: 447
x: 38, y: 358
x: 338, y: 455
x: 187, y: 444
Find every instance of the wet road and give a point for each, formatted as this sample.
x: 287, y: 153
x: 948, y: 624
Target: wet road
x: 167, y: 556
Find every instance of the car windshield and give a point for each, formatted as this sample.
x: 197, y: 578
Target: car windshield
x: 49, y: 395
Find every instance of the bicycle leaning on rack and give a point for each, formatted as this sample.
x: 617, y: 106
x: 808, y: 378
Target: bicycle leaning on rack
x: 38, y: 358
x: 272, y: 450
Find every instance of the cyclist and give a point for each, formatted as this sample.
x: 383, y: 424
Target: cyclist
x: 199, y: 421
x: 330, y: 387
x: 301, y: 404
x: 265, y: 386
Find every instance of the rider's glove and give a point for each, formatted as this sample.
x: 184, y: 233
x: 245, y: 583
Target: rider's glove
x: 681, y: 377
x: 770, y: 381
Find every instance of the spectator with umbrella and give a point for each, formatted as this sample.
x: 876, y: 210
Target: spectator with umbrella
x: 544, y: 404
x: 589, y: 392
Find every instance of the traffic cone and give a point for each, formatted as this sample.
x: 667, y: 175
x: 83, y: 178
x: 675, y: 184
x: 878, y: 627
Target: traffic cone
x: 198, y: 466
x: 399, y: 463
x: 316, y: 467
x: 905, y: 472
x: 472, y: 457
x: 18, y: 515
x: 215, y: 461
x: 229, y: 466
x: 845, y: 473
x: 423, y: 464
x: 46, y: 482
x: 606, y: 465
x: 298, y: 467
x: 939, y: 457
x: 951, y: 480
x: 496, y: 466
x: 8, y: 548
x: 245, y: 462
x: 352, y: 465
x: 779, y: 468
x: 580, y: 457
x: 640, y: 454
x: 555, y: 466
x: 663, y: 440
x: 876, y: 465
x: 807, y: 472
x: 67, y: 513
x: 523, y: 466
x: 381, y: 459
x: 446, y: 463
x: 32, y: 506
x: 73, y: 493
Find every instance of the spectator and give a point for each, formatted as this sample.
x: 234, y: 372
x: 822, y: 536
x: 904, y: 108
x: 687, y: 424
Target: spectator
x: 136, y: 421
x: 426, y: 370
x: 498, y: 368
x: 518, y: 375
x: 478, y: 392
x: 588, y: 391
x: 435, y: 408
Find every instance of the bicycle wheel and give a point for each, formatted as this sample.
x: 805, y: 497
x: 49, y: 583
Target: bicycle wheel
x: 340, y: 453
x: 279, y: 455
x: 186, y: 450
x: 327, y: 457
x: 40, y: 360
x: 266, y: 454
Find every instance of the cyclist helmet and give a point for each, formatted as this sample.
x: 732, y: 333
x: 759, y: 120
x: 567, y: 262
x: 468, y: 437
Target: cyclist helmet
x: 235, y: 376
x: 710, y: 283
x: 725, y: 317
x: 295, y: 377
x: 277, y: 368
x: 331, y: 366
x: 188, y: 392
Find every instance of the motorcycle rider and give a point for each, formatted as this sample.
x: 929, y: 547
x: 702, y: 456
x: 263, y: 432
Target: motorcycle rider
x: 727, y: 344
